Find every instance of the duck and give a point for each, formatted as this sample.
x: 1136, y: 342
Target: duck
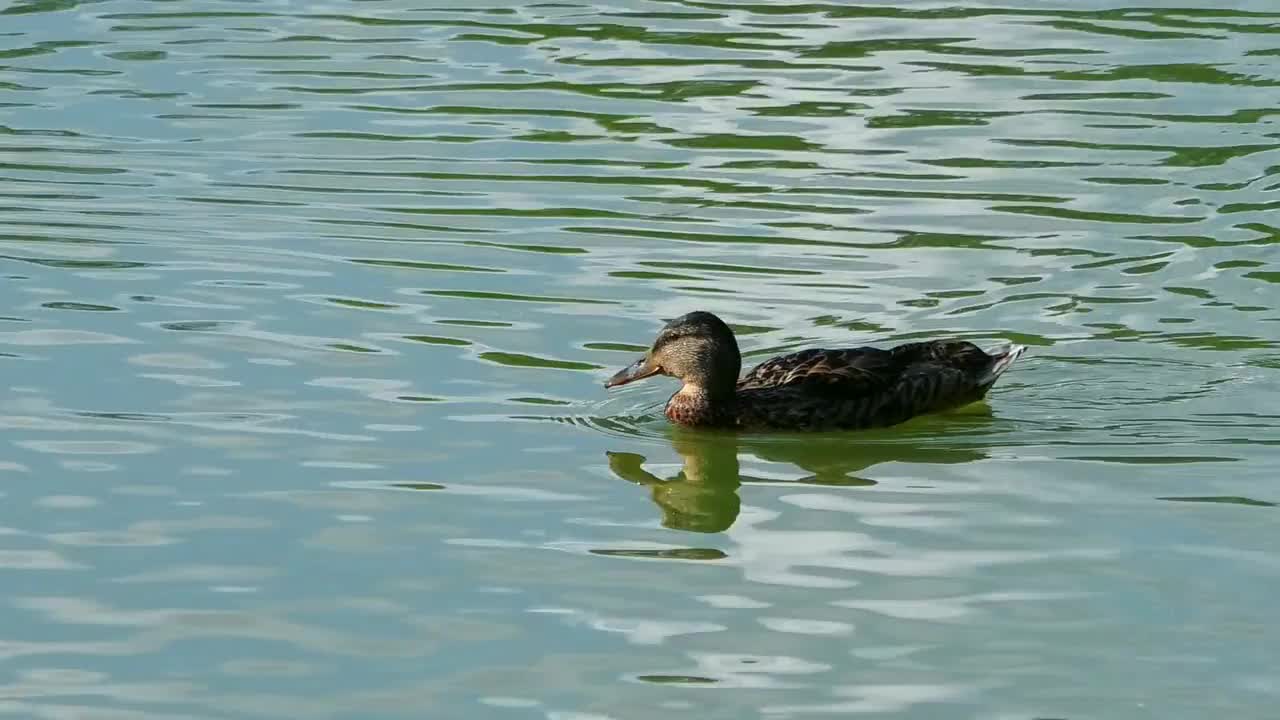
x: 818, y: 389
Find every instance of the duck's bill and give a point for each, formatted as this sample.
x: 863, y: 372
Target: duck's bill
x: 637, y: 370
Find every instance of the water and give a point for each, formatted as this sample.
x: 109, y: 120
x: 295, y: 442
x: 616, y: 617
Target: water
x: 306, y: 309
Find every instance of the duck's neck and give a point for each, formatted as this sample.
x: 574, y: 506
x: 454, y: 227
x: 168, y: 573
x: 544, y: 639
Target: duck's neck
x: 694, y: 404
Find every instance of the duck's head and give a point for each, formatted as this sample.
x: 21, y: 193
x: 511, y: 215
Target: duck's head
x: 698, y: 349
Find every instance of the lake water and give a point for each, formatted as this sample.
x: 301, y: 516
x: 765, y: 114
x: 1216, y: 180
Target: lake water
x: 307, y: 306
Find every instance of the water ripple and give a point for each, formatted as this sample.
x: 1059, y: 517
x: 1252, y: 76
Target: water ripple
x: 336, y: 285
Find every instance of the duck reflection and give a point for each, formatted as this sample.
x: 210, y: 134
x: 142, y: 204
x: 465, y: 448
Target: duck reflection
x: 703, y: 496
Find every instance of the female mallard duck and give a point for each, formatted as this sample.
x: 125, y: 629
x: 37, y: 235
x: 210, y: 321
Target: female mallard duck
x: 817, y: 389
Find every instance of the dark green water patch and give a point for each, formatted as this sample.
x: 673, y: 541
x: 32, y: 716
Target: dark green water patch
x: 421, y: 265
x: 530, y: 361
x: 510, y: 297
x: 672, y: 554
x: 1221, y: 499
x: 90, y: 307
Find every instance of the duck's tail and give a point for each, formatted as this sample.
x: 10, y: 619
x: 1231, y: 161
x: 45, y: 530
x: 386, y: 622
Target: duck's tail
x: 1001, y: 359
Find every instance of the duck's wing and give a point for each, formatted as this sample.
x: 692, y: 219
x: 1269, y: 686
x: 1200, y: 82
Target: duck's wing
x: 866, y: 387
x: 943, y: 373
x: 852, y: 371
x: 954, y: 354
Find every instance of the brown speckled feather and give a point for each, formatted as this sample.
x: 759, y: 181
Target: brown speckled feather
x: 843, y: 371
x: 864, y: 387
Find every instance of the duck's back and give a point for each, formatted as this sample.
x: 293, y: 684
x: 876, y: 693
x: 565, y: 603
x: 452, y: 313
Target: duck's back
x: 866, y: 387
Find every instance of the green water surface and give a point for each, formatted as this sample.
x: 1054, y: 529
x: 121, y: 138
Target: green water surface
x: 305, y: 309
